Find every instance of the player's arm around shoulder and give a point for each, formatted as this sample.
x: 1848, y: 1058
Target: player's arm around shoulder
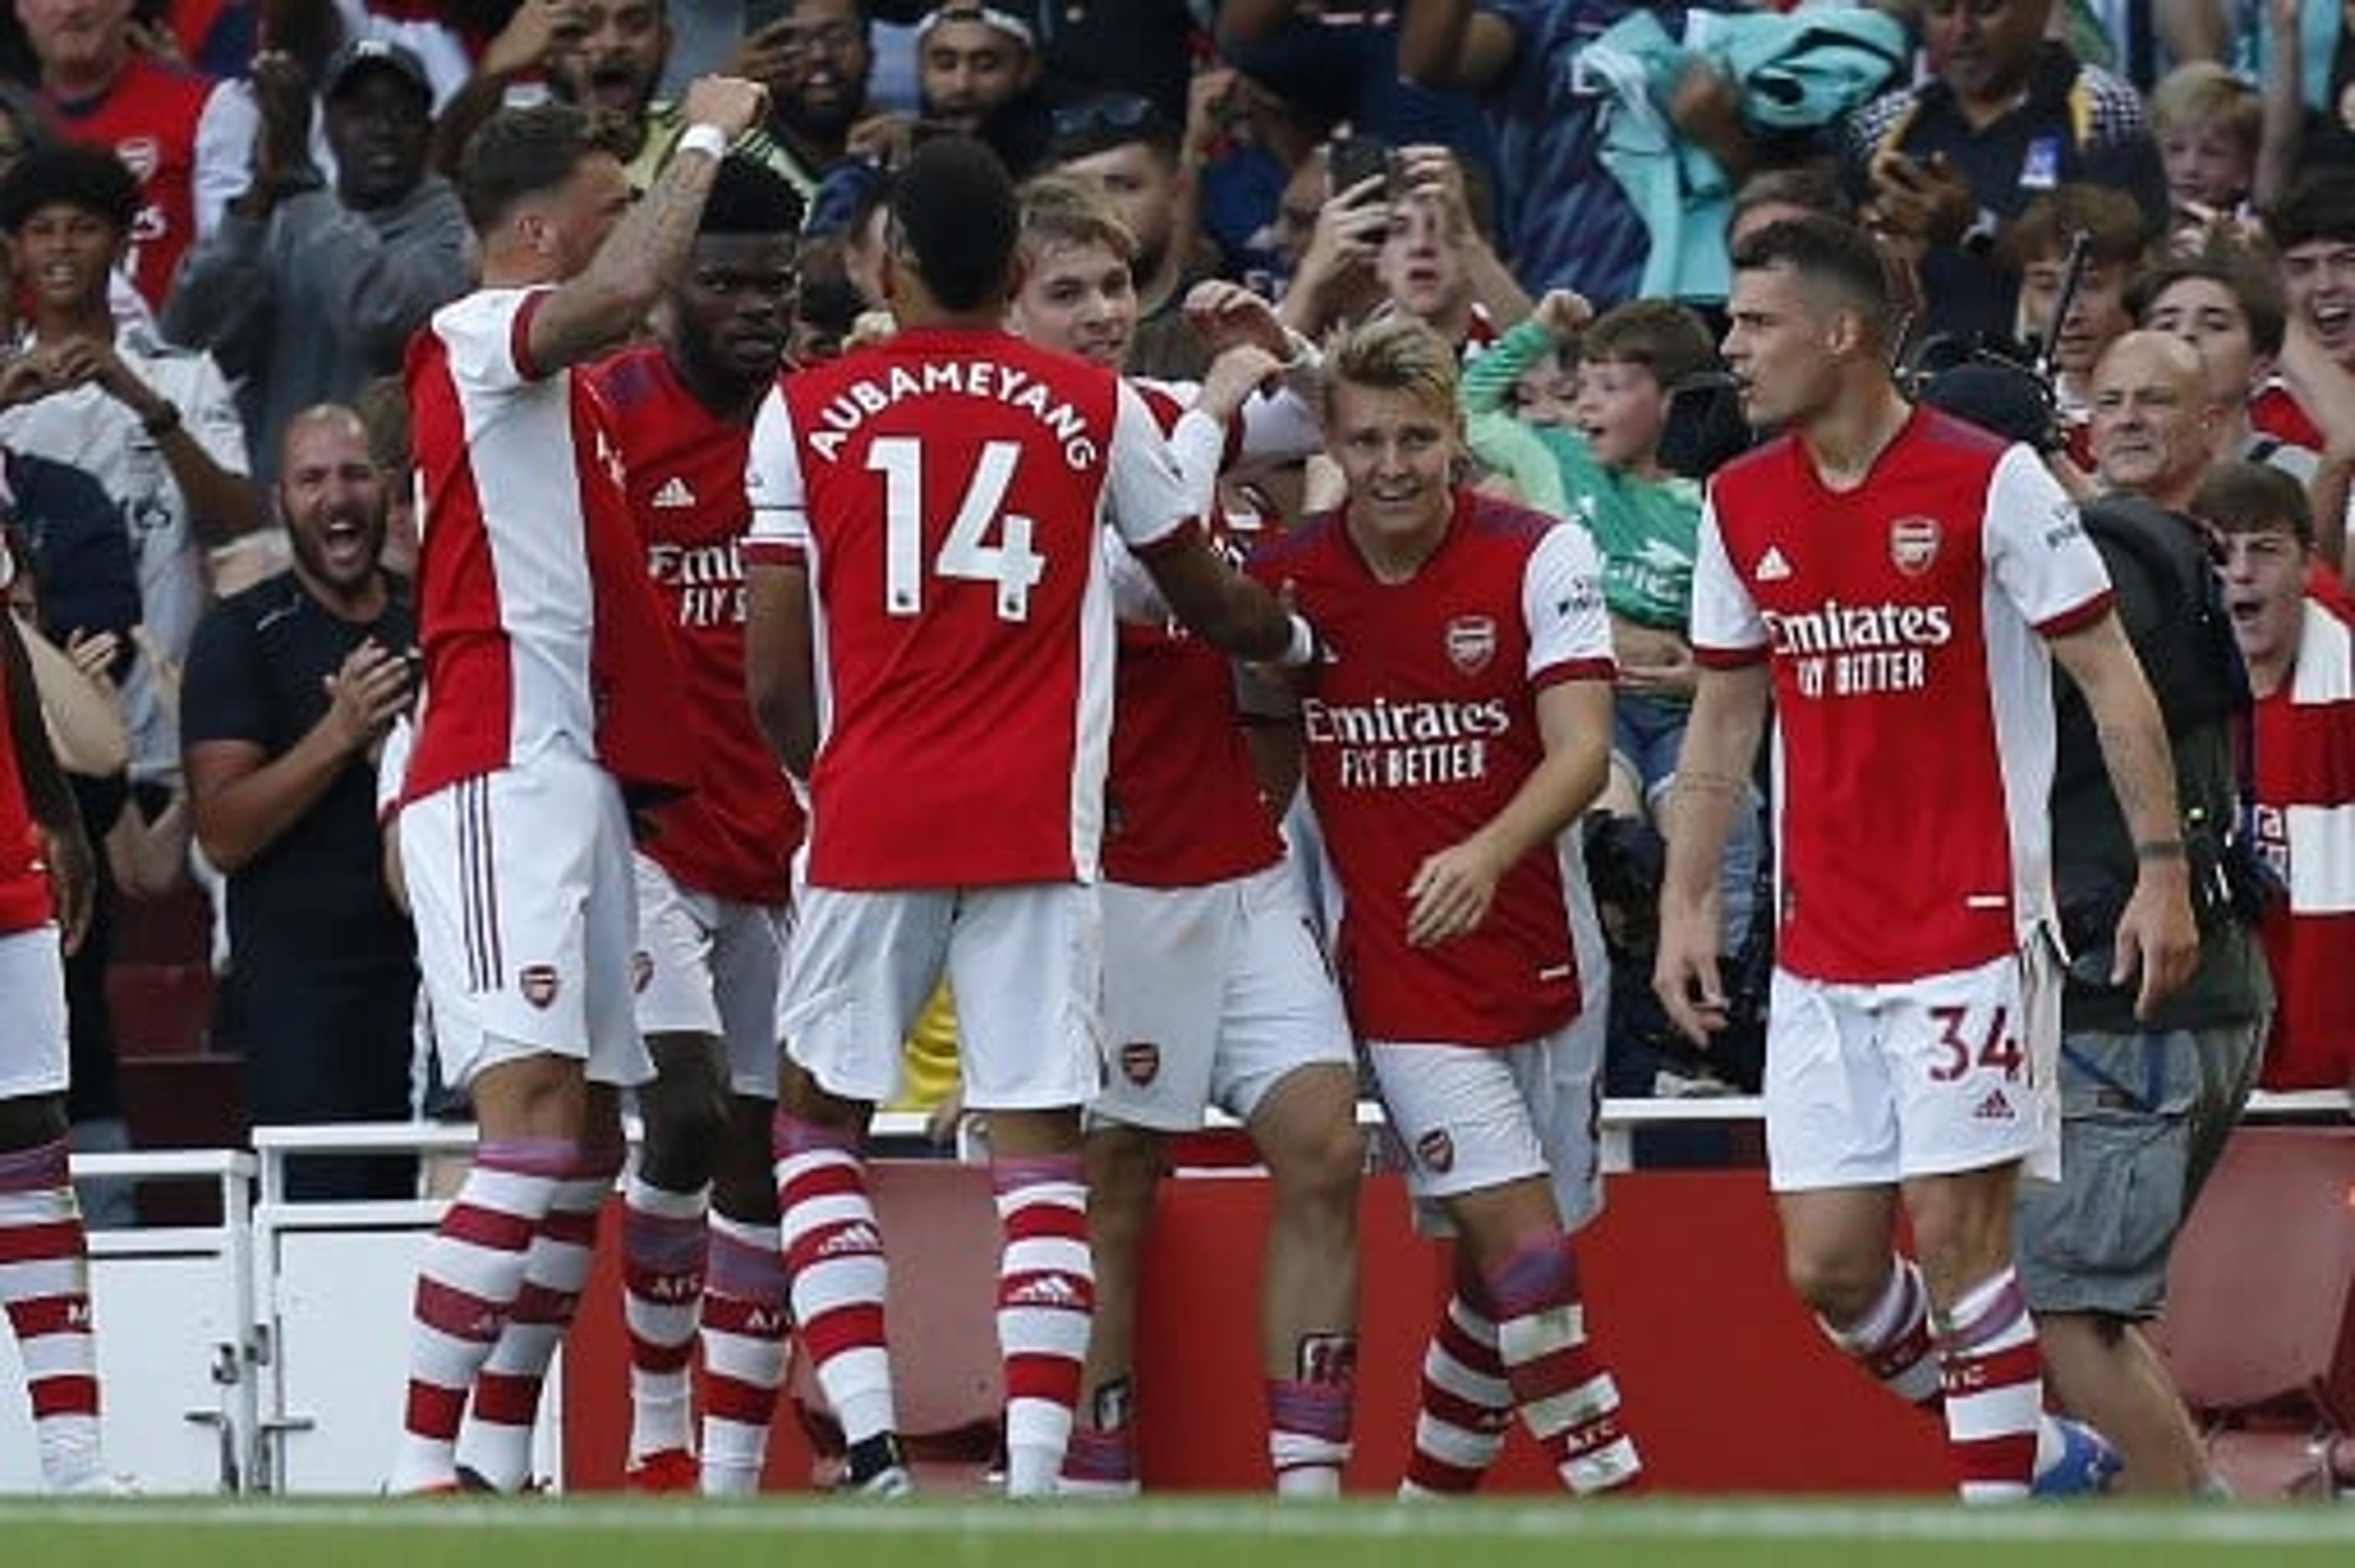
x: 1150, y: 507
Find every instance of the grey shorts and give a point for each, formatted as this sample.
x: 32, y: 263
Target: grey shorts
x: 2143, y: 1118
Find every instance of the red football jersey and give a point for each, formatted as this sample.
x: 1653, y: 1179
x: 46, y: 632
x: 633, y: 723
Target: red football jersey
x: 684, y: 473
x: 1421, y: 725
x: 2304, y: 789
x: 1913, y: 692
x: 2275, y: 411
x: 945, y: 491
x: 1182, y: 806
x: 149, y: 119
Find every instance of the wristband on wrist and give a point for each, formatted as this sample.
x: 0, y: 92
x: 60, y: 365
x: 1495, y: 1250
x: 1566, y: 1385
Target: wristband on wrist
x: 162, y: 422
x: 709, y: 140
x: 2159, y: 850
x: 1302, y: 649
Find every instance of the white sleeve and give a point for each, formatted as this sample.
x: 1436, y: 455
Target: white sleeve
x: 1279, y: 427
x: 209, y: 412
x: 1144, y: 495
x: 2037, y: 547
x: 1562, y: 605
x: 483, y: 333
x: 225, y: 129
x: 1724, y: 616
x: 1199, y: 443
x: 392, y: 767
x: 773, y: 484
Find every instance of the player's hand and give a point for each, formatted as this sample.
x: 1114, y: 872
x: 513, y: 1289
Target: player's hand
x: 73, y: 881
x: 1685, y: 977
x: 1233, y: 377
x: 1224, y: 314
x: 729, y: 102
x: 1451, y: 892
x: 2157, y: 941
x: 367, y: 694
x: 1564, y: 313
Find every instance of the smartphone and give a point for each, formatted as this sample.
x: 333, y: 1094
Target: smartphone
x: 1356, y: 159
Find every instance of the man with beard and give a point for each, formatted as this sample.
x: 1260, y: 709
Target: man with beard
x: 290, y: 687
x: 602, y: 56
x: 715, y: 876
x: 307, y: 292
x: 816, y: 60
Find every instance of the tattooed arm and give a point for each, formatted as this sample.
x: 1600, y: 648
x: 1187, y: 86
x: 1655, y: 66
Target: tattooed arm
x: 648, y: 249
x: 2157, y: 938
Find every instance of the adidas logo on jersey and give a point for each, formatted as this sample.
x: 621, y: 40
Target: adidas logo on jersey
x: 674, y: 494
x: 1048, y: 1290
x: 857, y: 1238
x: 1994, y: 1108
x: 1772, y: 566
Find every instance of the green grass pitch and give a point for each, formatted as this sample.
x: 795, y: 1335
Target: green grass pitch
x: 1205, y: 1532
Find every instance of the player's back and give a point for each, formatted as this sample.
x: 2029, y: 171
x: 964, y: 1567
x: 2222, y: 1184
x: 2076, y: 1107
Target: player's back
x: 952, y: 484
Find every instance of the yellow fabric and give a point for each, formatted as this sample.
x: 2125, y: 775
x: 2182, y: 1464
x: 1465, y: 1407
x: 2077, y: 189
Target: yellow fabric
x: 928, y: 1063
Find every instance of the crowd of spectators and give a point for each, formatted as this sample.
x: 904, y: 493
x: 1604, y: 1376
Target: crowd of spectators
x: 221, y: 214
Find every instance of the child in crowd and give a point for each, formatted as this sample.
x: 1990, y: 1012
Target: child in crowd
x: 2210, y: 125
x: 1602, y: 471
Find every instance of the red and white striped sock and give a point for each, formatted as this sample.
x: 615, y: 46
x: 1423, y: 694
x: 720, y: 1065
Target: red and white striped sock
x: 663, y: 1242
x: 466, y: 1285
x: 1046, y: 1301
x: 1893, y: 1342
x: 1566, y: 1396
x: 1993, y: 1373
x: 1308, y: 1423
x: 1466, y: 1405
x: 44, y: 1286
x: 745, y: 1345
x: 836, y: 1268
x: 495, y: 1442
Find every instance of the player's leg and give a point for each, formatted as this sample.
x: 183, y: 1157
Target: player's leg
x: 1464, y: 1406
x: 859, y: 966
x: 1123, y: 1170
x: 1286, y: 1067
x: 498, y: 870
x: 1305, y: 1126
x: 496, y: 1443
x: 666, y: 1194
x: 1165, y: 957
x: 1475, y: 1152
x: 1027, y: 966
x: 745, y: 1320
x: 44, y: 1250
x: 1971, y: 1056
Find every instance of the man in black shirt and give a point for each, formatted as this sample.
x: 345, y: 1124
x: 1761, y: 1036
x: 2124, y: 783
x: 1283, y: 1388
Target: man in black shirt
x: 290, y: 687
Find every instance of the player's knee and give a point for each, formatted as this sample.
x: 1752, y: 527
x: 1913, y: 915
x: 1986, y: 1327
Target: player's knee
x: 1841, y: 1287
x: 31, y: 1121
x: 1123, y: 1166
x: 684, y: 1134
x: 1317, y: 1166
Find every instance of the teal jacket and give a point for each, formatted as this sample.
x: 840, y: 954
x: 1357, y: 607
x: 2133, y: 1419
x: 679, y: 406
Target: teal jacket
x: 1796, y: 72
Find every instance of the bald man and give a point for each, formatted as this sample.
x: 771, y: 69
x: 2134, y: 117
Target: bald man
x: 2155, y: 423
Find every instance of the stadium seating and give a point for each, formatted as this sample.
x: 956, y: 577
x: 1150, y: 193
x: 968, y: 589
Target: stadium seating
x: 2260, y: 1326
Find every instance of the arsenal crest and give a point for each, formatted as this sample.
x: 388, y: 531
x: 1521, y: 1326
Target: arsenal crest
x: 1471, y: 643
x: 1913, y: 544
x: 539, y: 984
x: 1140, y: 1062
x: 1436, y: 1151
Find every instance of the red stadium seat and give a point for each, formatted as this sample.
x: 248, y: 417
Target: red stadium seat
x: 2259, y: 1331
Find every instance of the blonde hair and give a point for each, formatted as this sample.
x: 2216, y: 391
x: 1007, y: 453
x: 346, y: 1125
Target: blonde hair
x: 1396, y: 353
x: 1058, y: 209
x: 2203, y: 94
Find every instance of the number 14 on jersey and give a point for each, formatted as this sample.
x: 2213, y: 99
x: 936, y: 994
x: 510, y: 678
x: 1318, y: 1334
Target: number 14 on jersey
x: 1011, y: 565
